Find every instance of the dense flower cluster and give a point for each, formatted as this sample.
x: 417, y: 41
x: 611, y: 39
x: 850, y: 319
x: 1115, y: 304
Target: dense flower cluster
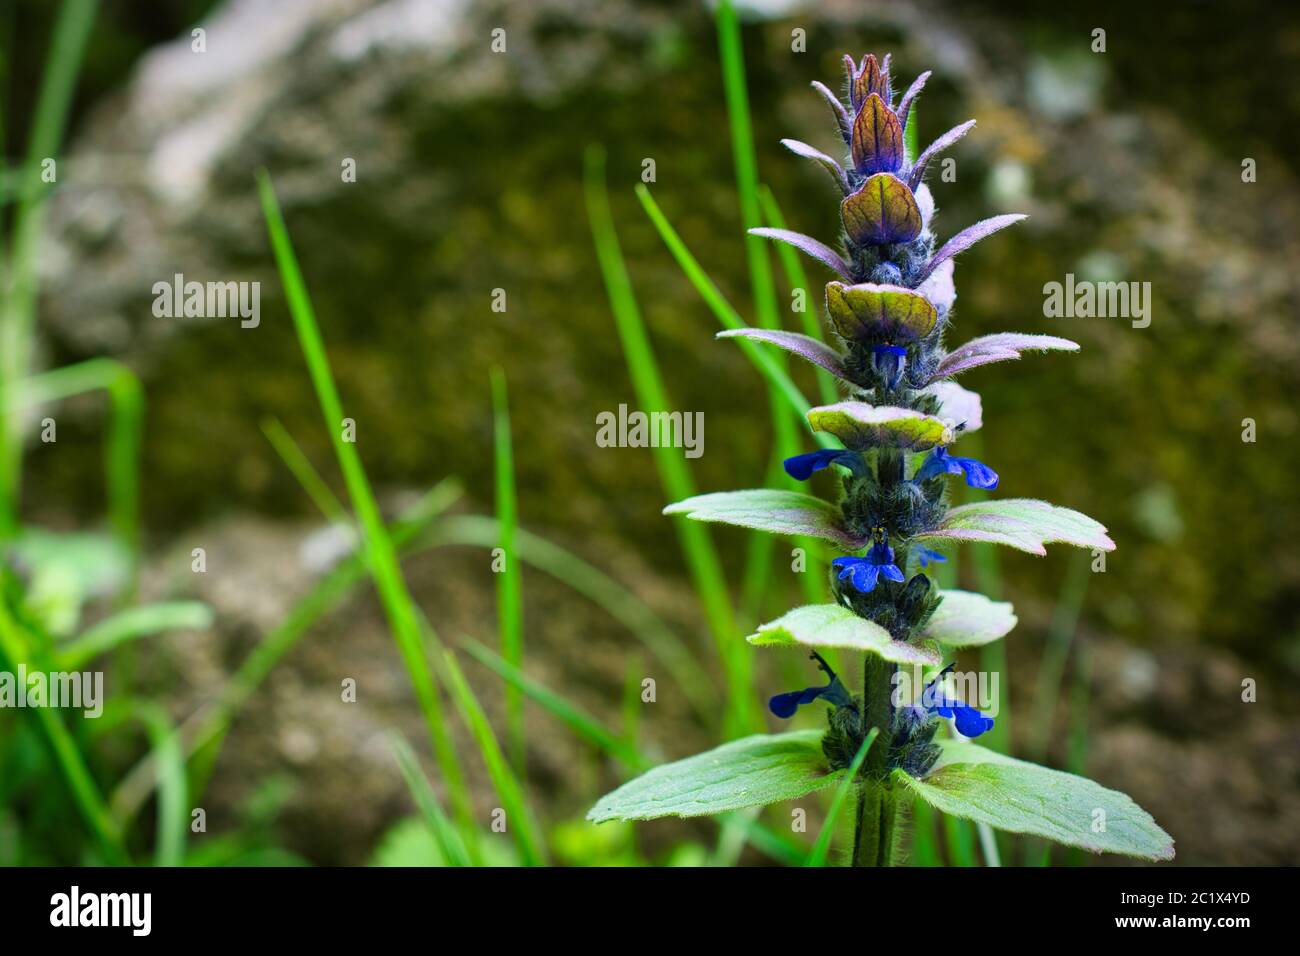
x: 889, y: 309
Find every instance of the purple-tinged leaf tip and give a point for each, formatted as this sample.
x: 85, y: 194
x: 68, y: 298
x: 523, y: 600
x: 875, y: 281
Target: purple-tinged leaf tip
x: 905, y: 104
x: 938, y: 146
x: 804, y: 346
x: 808, y: 246
x: 967, y: 238
x: 842, y: 119
x: 832, y: 167
x: 1001, y: 347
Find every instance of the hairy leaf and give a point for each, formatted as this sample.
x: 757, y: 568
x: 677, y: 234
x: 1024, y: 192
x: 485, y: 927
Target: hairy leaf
x: 977, y: 784
x: 1023, y: 523
x: 830, y: 625
x: 998, y: 348
x: 804, y: 346
x: 938, y: 146
x: 816, y: 155
x: 966, y: 619
x: 967, y: 238
x: 750, y: 772
x: 808, y: 246
x: 780, y: 512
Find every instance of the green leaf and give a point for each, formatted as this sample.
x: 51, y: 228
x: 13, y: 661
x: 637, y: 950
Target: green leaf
x: 966, y: 619
x: 987, y: 787
x: 860, y: 426
x: 750, y: 772
x: 780, y: 512
x: 1023, y: 523
x: 830, y: 625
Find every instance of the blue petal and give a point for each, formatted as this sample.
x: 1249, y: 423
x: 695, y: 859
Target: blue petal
x: 881, y: 553
x: 891, y: 571
x: 863, y: 577
x: 937, y: 463
x: 928, y: 557
x: 889, y: 362
x: 978, y: 474
x: 801, y: 467
x: 970, y: 722
x: 784, y: 705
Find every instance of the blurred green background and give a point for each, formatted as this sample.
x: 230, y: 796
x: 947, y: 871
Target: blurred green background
x: 470, y: 179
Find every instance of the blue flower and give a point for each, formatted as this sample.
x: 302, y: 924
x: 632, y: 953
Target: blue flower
x: 889, y: 362
x: 928, y: 556
x: 970, y: 722
x: 801, y: 467
x: 784, y: 705
x: 978, y: 474
x: 863, y: 573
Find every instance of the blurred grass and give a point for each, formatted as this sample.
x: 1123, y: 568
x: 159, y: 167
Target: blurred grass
x: 381, y: 558
x: 510, y: 593
x: 18, y: 313
x: 696, y: 542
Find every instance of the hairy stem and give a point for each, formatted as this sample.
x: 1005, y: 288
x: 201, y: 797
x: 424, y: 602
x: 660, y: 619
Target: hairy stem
x: 874, y: 837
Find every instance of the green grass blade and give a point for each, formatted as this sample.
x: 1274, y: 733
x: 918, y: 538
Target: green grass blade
x: 697, y: 545
x: 572, y: 716
x: 444, y: 833
x: 817, y: 856
x: 122, y: 446
x: 1060, y: 636
x: 603, y: 591
x: 785, y: 429
x: 960, y: 842
x: 18, y: 308
x: 381, y: 556
x: 173, y: 797
x: 775, y: 845
x: 204, y: 733
x: 519, y: 819
x: 924, y: 849
x: 128, y: 625
x: 76, y: 774
x: 307, y: 476
x: 726, y: 315
x: 510, y: 589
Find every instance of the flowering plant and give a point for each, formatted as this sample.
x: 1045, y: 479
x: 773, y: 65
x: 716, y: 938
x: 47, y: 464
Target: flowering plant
x: 889, y: 306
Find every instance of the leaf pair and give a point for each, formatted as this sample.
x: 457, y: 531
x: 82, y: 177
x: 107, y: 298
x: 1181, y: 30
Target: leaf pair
x: 968, y: 782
